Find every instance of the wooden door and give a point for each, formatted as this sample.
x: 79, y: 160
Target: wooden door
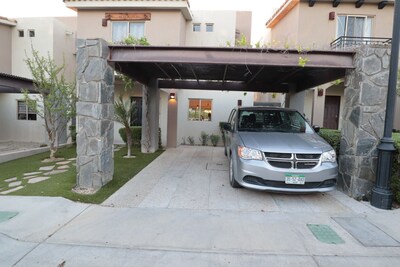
x: 331, y: 112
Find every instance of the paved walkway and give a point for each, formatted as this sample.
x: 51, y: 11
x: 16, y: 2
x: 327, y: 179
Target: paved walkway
x: 181, y: 211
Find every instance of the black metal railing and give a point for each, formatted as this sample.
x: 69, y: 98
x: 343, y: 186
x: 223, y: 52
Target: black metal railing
x: 344, y: 42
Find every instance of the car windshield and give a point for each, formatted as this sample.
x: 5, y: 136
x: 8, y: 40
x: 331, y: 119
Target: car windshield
x: 272, y: 120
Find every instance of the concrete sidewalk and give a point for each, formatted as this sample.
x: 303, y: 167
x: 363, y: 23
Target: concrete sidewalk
x: 181, y: 211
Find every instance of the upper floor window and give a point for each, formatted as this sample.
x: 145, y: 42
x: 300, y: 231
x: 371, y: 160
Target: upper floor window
x: 354, y: 26
x: 31, y: 33
x: 200, y: 109
x: 123, y: 29
x: 209, y: 27
x: 196, y: 27
x: 20, y: 33
x: 24, y: 112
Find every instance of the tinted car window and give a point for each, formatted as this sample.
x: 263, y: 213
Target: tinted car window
x: 272, y: 121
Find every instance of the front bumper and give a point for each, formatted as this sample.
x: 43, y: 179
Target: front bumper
x: 260, y: 175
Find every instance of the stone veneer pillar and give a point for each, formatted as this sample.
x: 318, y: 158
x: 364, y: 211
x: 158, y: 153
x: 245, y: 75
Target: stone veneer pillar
x: 95, y: 112
x: 150, y: 117
x: 363, y: 119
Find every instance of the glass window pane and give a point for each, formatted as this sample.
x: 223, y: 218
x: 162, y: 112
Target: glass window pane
x: 359, y: 27
x: 350, y: 26
x: 136, y: 29
x: 196, y: 27
x: 119, y: 31
x: 194, y: 109
x: 209, y: 27
x: 368, y: 27
x: 341, y: 26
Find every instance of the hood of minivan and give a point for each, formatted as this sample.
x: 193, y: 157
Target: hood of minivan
x: 284, y: 142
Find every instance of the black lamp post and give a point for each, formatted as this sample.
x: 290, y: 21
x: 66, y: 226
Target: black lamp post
x: 382, y: 196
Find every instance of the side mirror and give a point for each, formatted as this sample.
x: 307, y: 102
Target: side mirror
x: 227, y: 127
x: 316, y: 128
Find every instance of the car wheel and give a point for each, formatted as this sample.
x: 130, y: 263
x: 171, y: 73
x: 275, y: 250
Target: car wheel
x: 232, y: 179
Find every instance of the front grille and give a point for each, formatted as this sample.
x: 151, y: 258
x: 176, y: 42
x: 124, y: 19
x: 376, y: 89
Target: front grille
x: 308, y: 185
x: 292, y: 161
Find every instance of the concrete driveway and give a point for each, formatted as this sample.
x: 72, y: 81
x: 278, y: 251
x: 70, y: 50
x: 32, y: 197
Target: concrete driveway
x: 181, y: 211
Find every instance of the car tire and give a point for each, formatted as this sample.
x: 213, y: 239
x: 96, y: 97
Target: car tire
x: 232, y: 179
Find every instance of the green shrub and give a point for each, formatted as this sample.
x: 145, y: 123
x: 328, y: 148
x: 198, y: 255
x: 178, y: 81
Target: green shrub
x: 332, y: 137
x: 395, y: 179
x: 214, y: 139
x: 190, y: 139
x: 204, y: 138
x: 72, y: 129
x: 136, y: 135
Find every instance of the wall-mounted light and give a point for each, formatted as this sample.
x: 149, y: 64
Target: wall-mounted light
x: 172, y: 96
x: 332, y: 15
x: 239, y: 102
x: 320, y: 92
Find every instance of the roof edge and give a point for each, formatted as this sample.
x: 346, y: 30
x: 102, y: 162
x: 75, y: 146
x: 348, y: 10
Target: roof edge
x: 281, y: 12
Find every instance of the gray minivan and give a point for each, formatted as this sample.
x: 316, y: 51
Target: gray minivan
x: 275, y: 149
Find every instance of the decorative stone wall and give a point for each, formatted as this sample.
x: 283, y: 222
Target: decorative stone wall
x: 95, y: 113
x: 363, y: 119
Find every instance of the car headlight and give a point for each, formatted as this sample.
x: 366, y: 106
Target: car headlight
x: 329, y: 156
x: 248, y: 153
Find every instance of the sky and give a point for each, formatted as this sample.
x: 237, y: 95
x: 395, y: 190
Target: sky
x: 262, y: 10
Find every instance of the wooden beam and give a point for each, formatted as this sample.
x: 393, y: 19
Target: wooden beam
x: 335, y: 3
x: 311, y: 3
x: 359, y: 3
x: 382, y: 4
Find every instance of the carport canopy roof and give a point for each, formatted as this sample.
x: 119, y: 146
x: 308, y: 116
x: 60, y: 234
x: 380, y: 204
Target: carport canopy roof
x: 230, y: 68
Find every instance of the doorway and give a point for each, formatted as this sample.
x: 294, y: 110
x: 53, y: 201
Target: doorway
x: 331, y: 112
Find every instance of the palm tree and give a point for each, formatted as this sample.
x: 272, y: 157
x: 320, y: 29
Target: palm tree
x: 123, y: 111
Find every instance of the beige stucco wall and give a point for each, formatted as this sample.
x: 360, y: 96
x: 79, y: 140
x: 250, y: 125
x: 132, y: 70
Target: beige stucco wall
x: 22, y: 46
x: 5, y: 51
x: 243, y: 24
x: 13, y: 129
x: 224, y: 28
x: 286, y: 31
x: 64, y: 31
x: 319, y: 31
x: 164, y: 28
x: 223, y: 103
x: 311, y: 28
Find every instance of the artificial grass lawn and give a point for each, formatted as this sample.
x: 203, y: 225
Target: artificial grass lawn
x: 60, y: 185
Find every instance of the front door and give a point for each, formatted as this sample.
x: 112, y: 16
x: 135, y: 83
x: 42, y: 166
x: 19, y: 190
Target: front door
x: 331, y: 112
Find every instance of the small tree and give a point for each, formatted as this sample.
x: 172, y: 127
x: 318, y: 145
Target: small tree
x: 122, y: 111
x: 56, y: 101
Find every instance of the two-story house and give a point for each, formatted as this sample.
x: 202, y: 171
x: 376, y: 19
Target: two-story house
x: 169, y: 23
x: 330, y: 24
x: 49, y: 36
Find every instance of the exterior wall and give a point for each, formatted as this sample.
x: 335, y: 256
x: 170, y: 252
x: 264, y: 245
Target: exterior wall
x: 64, y: 31
x: 164, y: 28
x: 22, y: 46
x: 223, y: 103
x: 318, y: 31
x: 5, y: 51
x: 224, y: 28
x: 13, y: 129
x: 286, y: 31
x: 243, y: 24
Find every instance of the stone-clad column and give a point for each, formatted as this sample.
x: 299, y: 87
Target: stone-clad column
x: 150, y: 117
x: 95, y: 112
x: 363, y: 119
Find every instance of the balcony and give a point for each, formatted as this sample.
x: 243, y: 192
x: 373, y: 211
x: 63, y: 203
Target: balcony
x: 349, y: 42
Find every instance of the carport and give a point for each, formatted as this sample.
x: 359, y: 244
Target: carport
x: 231, y: 69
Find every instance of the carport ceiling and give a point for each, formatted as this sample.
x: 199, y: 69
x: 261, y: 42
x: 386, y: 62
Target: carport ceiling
x: 231, y: 69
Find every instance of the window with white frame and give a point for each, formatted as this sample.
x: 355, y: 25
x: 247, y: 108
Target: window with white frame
x: 200, y: 109
x: 123, y: 29
x: 24, y: 112
x: 354, y: 26
x: 196, y: 27
x: 209, y: 27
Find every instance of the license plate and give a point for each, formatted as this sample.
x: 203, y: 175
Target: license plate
x: 295, y: 178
